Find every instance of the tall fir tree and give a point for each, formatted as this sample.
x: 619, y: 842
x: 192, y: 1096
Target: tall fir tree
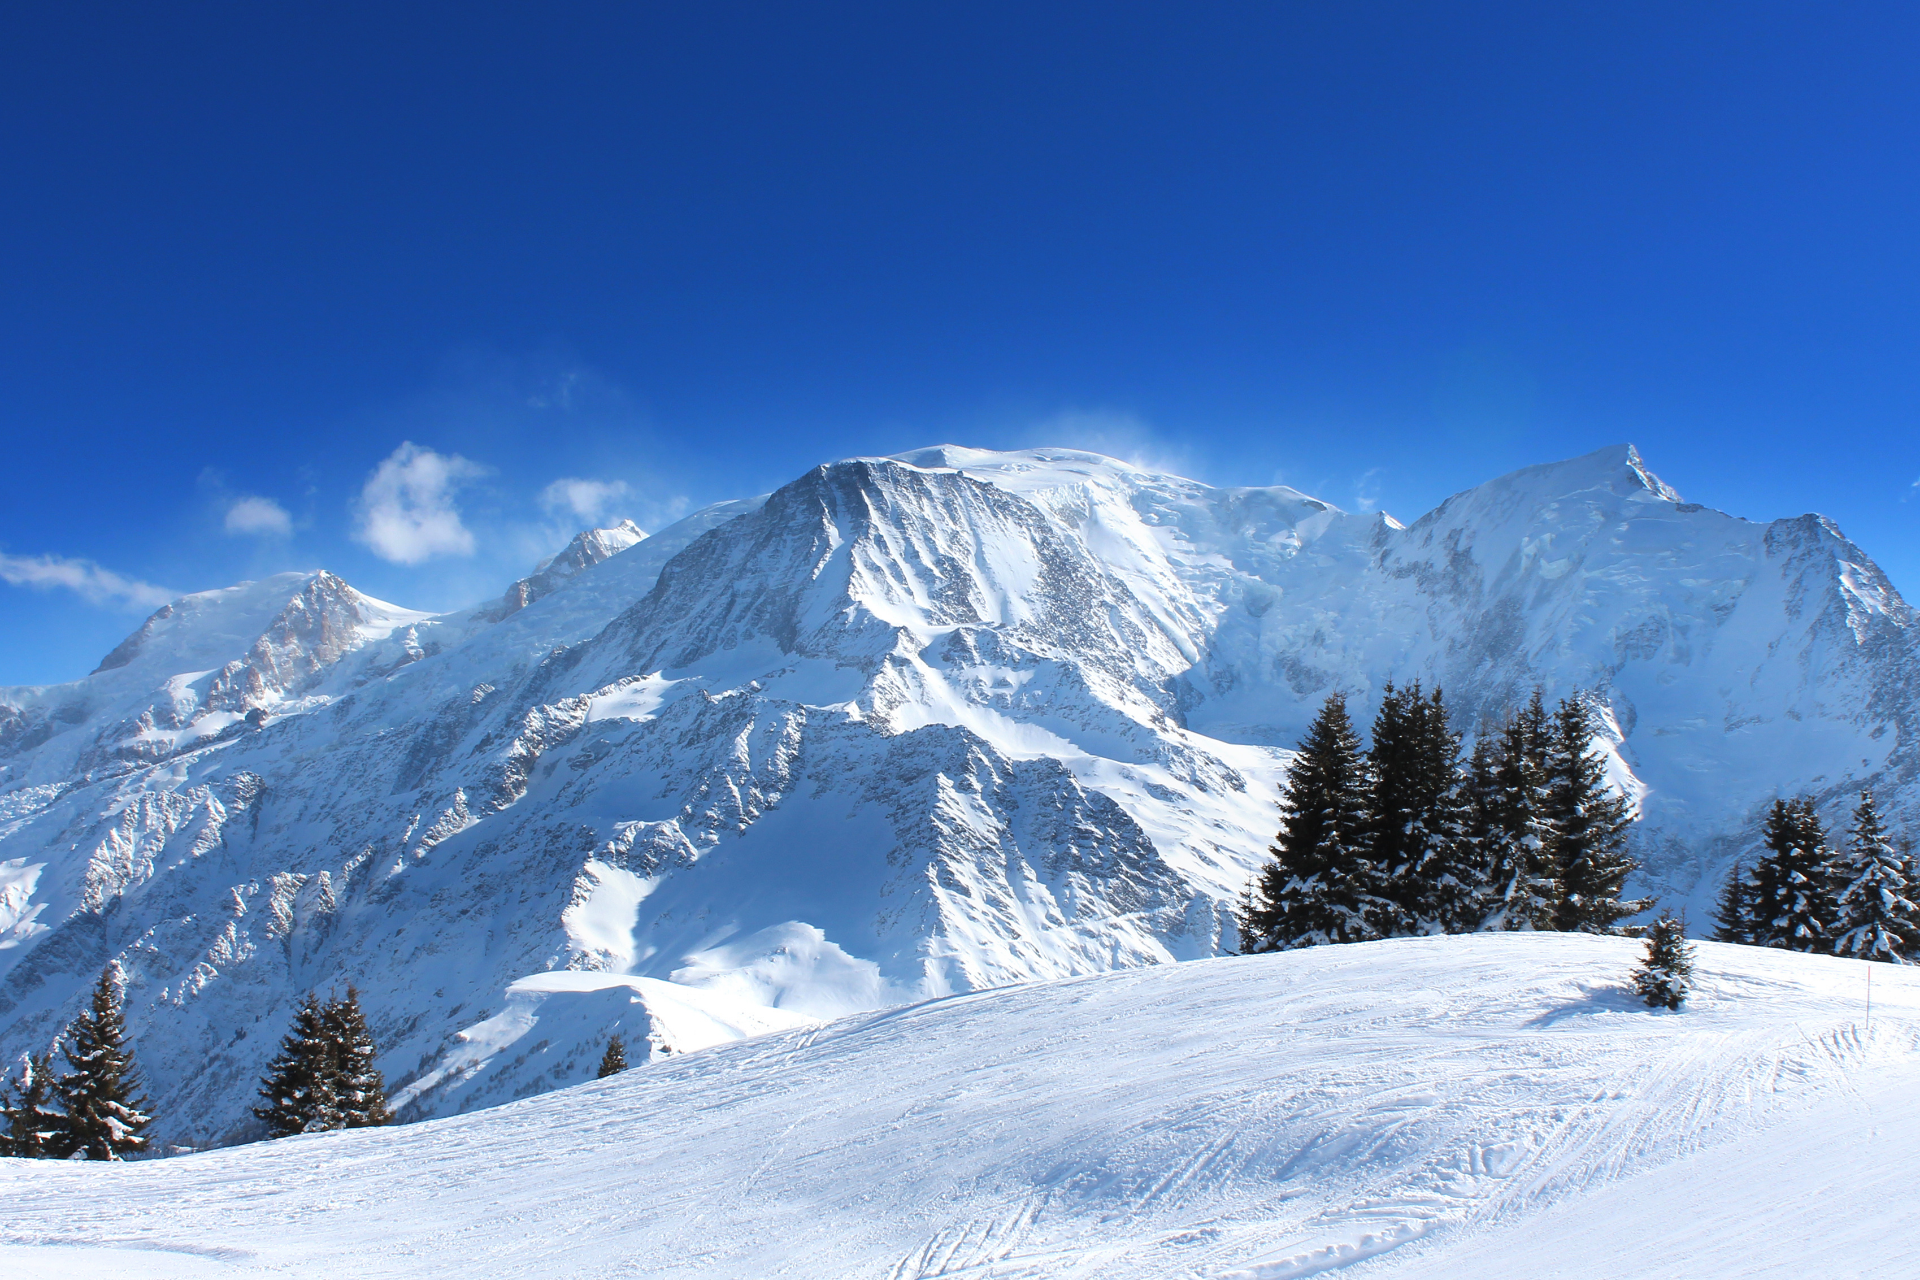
x: 1791, y: 892
x: 104, y: 1120
x: 1416, y: 819
x: 1665, y: 974
x: 1589, y: 824
x: 1733, y: 912
x: 299, y: 1084
x: 1523, y: 887
x: 614, y: 1060
x: 34, y: 1127
x: 359, y: 1091
x: 1321, y: 886
x: 1875, y: 917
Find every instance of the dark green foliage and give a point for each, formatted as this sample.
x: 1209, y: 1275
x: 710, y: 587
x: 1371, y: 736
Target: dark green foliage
x: 1665, y: 974
x: 1589, y: 824
x: 1510, y: 826
x: 359, y: 1091
x: 1875, y: 915
x: 299, y: 1083
x: 103, y: 1118
x: 1791, y: 893
x: 1320, y: 887
x: 1733, y: 913
x: 614, y: 1060
x: 34, y: 1128
x: 1430, y: 876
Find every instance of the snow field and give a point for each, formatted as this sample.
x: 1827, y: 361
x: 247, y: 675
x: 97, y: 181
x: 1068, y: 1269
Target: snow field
x: 1493, y: 1104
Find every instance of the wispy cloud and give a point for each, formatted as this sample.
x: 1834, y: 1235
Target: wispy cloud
x: 91, y: 582
x: 259, y: 517
x: 1366, y: 490
x: 407, y: 511
x: 585, y: 499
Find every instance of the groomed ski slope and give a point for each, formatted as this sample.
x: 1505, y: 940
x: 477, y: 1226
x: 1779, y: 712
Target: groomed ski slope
x: 1494, y: 1105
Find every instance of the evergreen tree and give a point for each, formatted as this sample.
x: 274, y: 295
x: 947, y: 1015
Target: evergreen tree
x: 614, y: 1060
x: 1320, y: 886
x: 34, y: 1129
x: 1523, y: 889
x: 1417, y: 819
x: 300, y: 1082
x: 103, y: 1118
x: 1876, y: 918
x: 1733, y: 913
x: 358, y: 1089
x: 1792, y: 884
x: 1589, y: 824
x: 1665, y: 974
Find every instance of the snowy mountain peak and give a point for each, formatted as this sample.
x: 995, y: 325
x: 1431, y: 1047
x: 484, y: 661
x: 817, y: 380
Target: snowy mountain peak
x: 587, y: 549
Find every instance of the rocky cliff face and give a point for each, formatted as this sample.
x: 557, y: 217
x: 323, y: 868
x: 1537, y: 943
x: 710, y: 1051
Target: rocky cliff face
x: 906, y: 727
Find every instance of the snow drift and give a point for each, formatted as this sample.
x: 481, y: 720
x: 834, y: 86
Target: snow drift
x: 1493, y: 1104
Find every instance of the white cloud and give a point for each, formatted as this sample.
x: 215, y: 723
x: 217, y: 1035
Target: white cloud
x: 407, y: 513
x: 1366, y: 490
x: 94, y: 584
x: 261, y: 516
x: 585, y: 499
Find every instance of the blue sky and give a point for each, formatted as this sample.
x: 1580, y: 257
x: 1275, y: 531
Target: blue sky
x: 376, y: 288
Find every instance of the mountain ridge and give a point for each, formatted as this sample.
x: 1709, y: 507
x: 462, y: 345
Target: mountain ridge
x: 906, y: 726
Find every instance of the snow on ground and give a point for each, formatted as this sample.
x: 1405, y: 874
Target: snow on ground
x: 1494, y: 1105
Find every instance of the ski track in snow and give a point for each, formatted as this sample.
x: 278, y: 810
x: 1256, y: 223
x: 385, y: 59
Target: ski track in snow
x: 1494, y: 1104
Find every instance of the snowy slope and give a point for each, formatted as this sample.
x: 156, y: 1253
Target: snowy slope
x: 905, y: 727
x: 1484, y: 1105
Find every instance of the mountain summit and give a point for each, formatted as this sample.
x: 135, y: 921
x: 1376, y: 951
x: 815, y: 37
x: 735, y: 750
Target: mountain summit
x: 907, y: 726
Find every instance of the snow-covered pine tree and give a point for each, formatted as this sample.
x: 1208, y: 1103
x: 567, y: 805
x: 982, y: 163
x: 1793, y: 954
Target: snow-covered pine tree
x: 1320, y: 886
x: 1589, y: 824
x: 1792, y: 883
x: 299, y: 1084
x: 1418, y: 818
x: 103, y: 1117
x: 35, y: 1129
x: 359, y: 1091
x: 1876, y: 918
x: 1523, y: 889
x: 1665, y: 974
x: 614, y: 1060
x: 1733, y: 913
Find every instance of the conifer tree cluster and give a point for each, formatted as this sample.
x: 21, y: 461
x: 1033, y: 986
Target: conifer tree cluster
x: 1804, y: 894
x: 93, y: 1109
x: 1405, y: 838
x: 324, y: 1075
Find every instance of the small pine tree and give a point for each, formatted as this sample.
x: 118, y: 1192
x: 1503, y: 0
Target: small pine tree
x: 359, y: 1090
x: 1733, y: 913
x: 1589, y: 823
x: 1876, y: 918
x: 1665, y: 974
x: 1321, y: 886
x: 104, y: 1119
x: 1791, y: 898
x: 614, y: 1060
x: 1523, y: 887
x: 34, y: 1130
x: 299, y: 1084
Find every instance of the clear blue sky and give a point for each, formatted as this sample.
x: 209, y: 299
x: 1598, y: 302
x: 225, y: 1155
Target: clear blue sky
x: 1379, y: 252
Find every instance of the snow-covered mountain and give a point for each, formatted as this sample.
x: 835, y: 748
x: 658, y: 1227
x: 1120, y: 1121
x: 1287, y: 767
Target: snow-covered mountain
x: 907, y: 726
x: 1495, y: 1105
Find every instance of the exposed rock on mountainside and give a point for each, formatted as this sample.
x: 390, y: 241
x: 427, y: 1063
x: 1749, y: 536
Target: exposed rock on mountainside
x: 906, y: 726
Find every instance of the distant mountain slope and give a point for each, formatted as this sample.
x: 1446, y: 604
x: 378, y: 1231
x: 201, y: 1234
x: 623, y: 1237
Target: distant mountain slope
x: 1494, y: 1105
x: 907, y: 726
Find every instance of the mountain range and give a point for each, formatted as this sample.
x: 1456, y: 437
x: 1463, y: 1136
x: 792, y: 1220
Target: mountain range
x: 904, y: 728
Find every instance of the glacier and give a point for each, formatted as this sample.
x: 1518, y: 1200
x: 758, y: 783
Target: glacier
x: 906, y: 727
